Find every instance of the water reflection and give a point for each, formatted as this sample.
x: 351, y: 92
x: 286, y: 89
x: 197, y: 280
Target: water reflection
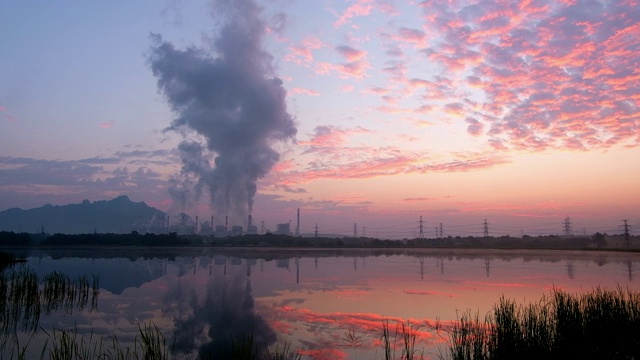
x: 206, y: 297
x: 570, y: 270
x: 24, y: 299
x: 487, y: 266
x: 210, y: 324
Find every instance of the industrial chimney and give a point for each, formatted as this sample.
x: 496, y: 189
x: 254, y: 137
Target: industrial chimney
x: 298, y: 223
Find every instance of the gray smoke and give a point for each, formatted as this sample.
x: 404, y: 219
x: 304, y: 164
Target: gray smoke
x: 229, y: 108
x: 226, y: 315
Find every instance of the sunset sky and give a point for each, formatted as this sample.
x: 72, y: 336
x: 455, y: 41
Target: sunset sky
x: 522, y: 113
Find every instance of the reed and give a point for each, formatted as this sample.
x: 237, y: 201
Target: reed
x: 243, y: 348
x: 23, y: 299
x: 408, y: 335
x: 386, y: 340
x: 66, y: 344
x: 353, y: 341
x: 600, y: 324
x: 153, y: 343
x: 468, y: 338
x: 283, y: 352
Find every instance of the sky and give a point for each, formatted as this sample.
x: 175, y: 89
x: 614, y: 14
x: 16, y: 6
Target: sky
x: 365, y: 114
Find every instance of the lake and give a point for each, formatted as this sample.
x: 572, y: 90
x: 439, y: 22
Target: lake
x: 329, y: 303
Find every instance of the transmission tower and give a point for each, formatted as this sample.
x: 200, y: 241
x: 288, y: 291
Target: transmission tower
x: 421, y: 233
x: 486, y: 228
x: 316, y: 233
x: 567, y: 226
x: 626, y: 233
x: 441, y: 231
x: 355, y: 230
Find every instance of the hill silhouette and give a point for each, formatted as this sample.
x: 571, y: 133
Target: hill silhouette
x: 120, y: 215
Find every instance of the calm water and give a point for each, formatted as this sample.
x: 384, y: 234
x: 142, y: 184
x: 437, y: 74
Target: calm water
x: 312, y: 298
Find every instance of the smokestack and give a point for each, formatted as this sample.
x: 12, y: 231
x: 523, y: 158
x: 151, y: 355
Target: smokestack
x: 249, y: 221
x: 196, y: 227
x: 298, y: 223
x: 226, y: 222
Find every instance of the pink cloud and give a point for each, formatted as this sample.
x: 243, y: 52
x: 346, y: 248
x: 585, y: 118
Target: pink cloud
x: 339, y: 161
x: 463, y: 164
x: 330, y: 136
x: 361, y: 323
x: 346, y: 88
x: 418, y: 199
x: 414, y: 36
x: 423, y: 292
x: 303, y: 52
x: 355, y: 66
x: 302, y: 91
x: 475, y: 127
x: 5, y: 115
x: 505, y: 285
x: 360, y: 8
x: 107, y: 125
x: 324, y: 354
x: 351, y: 54
x: 455, y: 109
x: 554, y: 75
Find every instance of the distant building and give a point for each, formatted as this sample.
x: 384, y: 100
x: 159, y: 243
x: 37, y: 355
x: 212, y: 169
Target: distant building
x: 236, y: 230
x: 206, y: 229
x: 221, y: 231
x: 283, y: 229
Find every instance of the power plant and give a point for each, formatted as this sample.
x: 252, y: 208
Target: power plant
x: 184, y: 225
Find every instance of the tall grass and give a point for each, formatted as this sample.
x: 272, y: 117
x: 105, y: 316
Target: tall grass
x: 600, y: 324
x: 23, y: 298
x: 66, y: 344
x: 283, y: 352
x: 405, y: 337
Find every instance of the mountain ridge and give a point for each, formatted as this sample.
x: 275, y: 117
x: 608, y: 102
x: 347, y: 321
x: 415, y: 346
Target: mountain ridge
x: 118, y: 215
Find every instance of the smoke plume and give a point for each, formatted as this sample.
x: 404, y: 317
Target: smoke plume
x: 229, y: 107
